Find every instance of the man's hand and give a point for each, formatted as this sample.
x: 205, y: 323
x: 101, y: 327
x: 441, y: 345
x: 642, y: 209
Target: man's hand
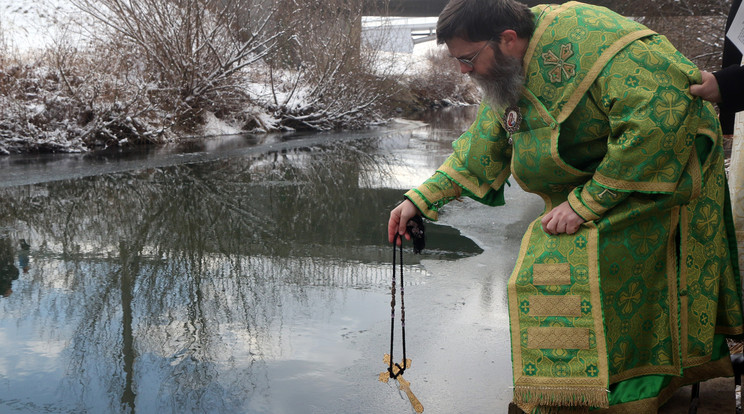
x: 399, y: 218
x: 707, y: 90
x: 562, y: 219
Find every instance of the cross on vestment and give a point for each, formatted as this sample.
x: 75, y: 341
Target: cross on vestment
x: 404, y: 385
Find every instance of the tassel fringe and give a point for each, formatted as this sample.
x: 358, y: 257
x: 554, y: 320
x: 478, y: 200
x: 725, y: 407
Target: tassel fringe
x: 563, y: 400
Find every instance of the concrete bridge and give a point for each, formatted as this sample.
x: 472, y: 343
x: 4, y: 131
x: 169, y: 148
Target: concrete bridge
x: 428, y: 8
x: 397, y: 34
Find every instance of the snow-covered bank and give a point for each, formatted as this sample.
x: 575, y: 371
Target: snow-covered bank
x: 72, y: 85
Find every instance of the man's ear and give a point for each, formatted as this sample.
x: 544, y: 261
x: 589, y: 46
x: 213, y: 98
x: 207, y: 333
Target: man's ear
x: 507, y: 37
x: 510, y: 44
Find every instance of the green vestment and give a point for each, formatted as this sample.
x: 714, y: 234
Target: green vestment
x: 638, y: 301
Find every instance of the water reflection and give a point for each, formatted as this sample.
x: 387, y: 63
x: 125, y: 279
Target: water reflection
x: 8, y: 271
x: 206, y: 287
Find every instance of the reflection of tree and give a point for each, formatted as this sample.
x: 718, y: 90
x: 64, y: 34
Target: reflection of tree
x: 8, y: 271
x: 176, y: 276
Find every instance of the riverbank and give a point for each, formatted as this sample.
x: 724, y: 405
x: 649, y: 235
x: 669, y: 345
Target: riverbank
x: 103, y: 74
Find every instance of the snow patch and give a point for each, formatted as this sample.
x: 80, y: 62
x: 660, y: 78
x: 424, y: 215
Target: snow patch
x: 216, y: 126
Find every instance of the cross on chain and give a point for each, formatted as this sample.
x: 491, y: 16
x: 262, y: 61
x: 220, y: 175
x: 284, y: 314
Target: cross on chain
x: 404, y: 385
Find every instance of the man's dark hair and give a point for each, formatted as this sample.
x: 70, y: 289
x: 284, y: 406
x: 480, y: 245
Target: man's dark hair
x: 479, y: 20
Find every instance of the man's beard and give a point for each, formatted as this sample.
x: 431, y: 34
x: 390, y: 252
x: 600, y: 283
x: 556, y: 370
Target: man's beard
x: 502, y: 85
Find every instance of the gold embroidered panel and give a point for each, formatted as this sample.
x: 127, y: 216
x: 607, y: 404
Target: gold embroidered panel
x: 558, y: 305
x: 551, y: 274
x: 558, y: 338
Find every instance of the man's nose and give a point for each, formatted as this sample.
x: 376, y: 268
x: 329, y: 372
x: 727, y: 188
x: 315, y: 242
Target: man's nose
x: 465, y: 68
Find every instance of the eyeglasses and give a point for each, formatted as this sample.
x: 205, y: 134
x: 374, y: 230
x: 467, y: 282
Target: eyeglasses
x: 470, y: 62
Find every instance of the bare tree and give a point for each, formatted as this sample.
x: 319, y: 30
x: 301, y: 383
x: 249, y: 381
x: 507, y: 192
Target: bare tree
x: 334, y: 80
x: 193, y: 51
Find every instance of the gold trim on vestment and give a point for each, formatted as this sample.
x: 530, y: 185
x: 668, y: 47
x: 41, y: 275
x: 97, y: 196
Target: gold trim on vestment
x: 645, y: 370
x: 591, y: 203
x: 501, y: 178
x: 698, y: 360
x: 684, y: 222
x: 595, y: 282
x: 673, y: 283
x: 478, y: 191
x: 697, y: 174
x: 623, y: 185
x: 546, y: 117
x: 421, y: 204
x: 582, y: 210
x: 514, y: 310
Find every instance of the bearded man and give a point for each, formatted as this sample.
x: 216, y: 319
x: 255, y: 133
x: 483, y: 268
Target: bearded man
x: 627, y: 285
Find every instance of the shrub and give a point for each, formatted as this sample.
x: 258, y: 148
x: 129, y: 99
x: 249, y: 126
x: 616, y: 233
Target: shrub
x: 442, y: 84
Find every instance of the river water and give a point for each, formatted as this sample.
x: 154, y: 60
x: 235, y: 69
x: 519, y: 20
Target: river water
x: 248, y: 275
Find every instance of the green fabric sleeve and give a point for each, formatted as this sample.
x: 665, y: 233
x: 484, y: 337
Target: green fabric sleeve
x: 653, y: 144
x: 477, y: 168
x: 439, y: 190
